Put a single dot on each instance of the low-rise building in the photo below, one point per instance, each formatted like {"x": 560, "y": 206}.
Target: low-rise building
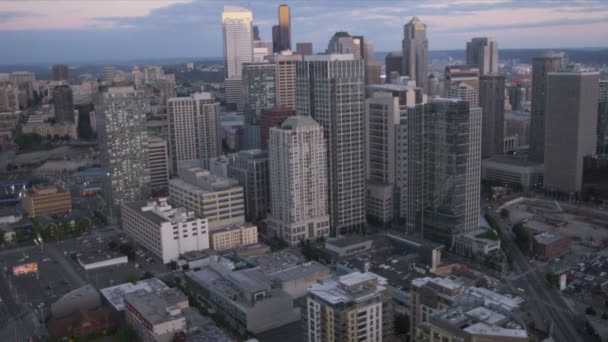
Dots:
{"x": 218, "y": 199}
{"x": 83, "y": 323}
{"x": 115, "y": 295}
{"x": 81, "y": 299}
{"x": 165, "y": 231}
{"x": 513, "y": 170}
{"x": 346, "y": 247}
{"x": 94, "y": 259}
{"x": 247, "y": 298}
{"x": 353, "y": 307}
{"x": 550, "y": 245}
{"x": 481, "y": 241}
{"x": 156, "y": 317}
{"x": 43, "y": 200}
{"x": 234, "y": 236}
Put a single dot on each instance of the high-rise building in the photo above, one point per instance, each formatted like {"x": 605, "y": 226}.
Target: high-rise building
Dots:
{"x": 259, "y": 88}
{"x": 298, "y": 181}
{"x": 250, "y": 169}
{"x": 238, "y": 49}
{"x": 261, "y": 50}
{"x": 63, "y": 101}
{"x": 492, "y": 103}
{"x": 276, "y": 39}
{"x": 343, "y": 43}
{"x": 304, "y": 48}
{"x": 165, "y": 231}
{"x": 602, "y": 118}
{"x": 61, "y": 72}
{"x": 330, "y": 89}
{"x": 121, "y": 115}
{"x": 285, "y": 72}
{"x": 158, "y": 156}
{"x": 284, "y": 28}
{"x": 352, "y": 307}
{"x": 482, "y": 52}
{"x": 109, "y": 73}
{"x": 393, "y": 63}
{"x": 385, "y": 110}
{"x": 24, "y": 80}
{"x": 272, "y": 117}
{"x": 416, "y": 53}
{"x": 444, "y": 161}
{"x": 570, "y": 120}
{"x": 193, "y": 128}
{"x": 541, "y": 66}
{"x": 256, "y": 33}
{"x": 455, "y": 74}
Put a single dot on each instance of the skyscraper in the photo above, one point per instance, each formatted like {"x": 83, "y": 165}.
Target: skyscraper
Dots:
{"x": 276, "y": 39}
{"x": 385, "y": 119}
{"x": 256, "y": 33}
{"x": 483, "y": 53}
{"x": 60, "y": 72}
{"x": 602, "y": 118}
{"x": 393, "y": 63}
{"x": 250, "y": 168}
{"x": 63, "y": 100}
{"x": 492, "y": 102}
{"x": 158, "y": 157}
{"x": 193, "y": 128}
{"x": 272, "y": 117}
{"x": 416, "y": 53}
{"x": 444, "y": 161}
{"x": 343, "y": 43}
{"x": 541, "y": 66}
{"x": 304, "y": 49}
{"x": 330, "y": 88}
{"x": 284, "y": 28}
{"x": 285, "y": 70}
{"x": 238, "y": 49}
{"x": 259, "y": 82}
{"x": 570, "y": 120}
{"x": 121, "y": 115}
{"x": 455, "y": 74}
{"x": 298, "y": 182}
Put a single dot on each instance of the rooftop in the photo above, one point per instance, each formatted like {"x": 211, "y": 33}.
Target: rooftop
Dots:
{"x": 547, "y": 238}
{"x": 116, "y": 294}
{"x": 492, "y": 330}
{"x": 275, "y": 262}
{"x": 159, "y": 211}
{"x": 298, "y": 121}
{"x": 301, "y": 271}
{"x": 513, "y": 160}
{"x": 93, "y": 256}
{"x": 346, "y": 241}
{"x": 159, "y": 307}
{"x": 354, "y": 287}
{"x": 203, "y": 181}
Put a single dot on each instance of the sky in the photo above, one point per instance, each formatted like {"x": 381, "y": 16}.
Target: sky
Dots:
{"x": 47, "y": 31}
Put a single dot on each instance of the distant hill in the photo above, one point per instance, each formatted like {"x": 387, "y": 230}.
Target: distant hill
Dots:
{"x": 593, "y": 56}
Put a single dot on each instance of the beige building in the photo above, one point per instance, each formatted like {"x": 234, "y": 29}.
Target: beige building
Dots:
{"x": 285, "y": 71}
{"x": 234, "y": 236}
{"x": 43, "y": 200}
{"x": 218, "y": 199}
{"x": 47, "y": 129}
{"x": 156, "y": 317}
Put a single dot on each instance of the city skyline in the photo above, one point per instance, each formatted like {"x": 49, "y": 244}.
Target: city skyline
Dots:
{"x": 91, "y": 31}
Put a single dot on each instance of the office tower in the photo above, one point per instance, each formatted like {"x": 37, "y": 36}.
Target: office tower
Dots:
{"x": 23, "y": 80}
{"x": 109, "y": 73}
{"x": 165, "y": 231}
{"x": 352, "y": 307}
{"x": 261, "y": 50}
{"x": 250, "y": 169}
{"x": 158, "y": 156}
{"x": 284, "y": 28}
{"x": 63, "y": 101}
{"x": 272, "y": 117}
{"x": 444, "y": 161}
{"x": 276, "y": 39}
{"x": 360, "y": 46}
{"x": 331, "y": 91}
{"x": 433, "y": 86}
{"x": 9, "y": 98}
{"x": 463, "y": 91}
{"x": 256, "y": 33}
{"x": 60, "y": 72}
{"x": 216, "y": 198}
{"x": 259, "y": 82}
{"x": 285, "y": 72}
{"x": 298, "y": 184}
{"x": 121, "y": 115}
{"x": 342, "y": 43}
{"x": 455, "y": 74}
{"x": 193, "y": 128}
{"x": 385, "y": 147}
{"x": 492, "y": 103}
{"x": 541, "y": 66}
{"x": 393, "y": 63}
{"x": 416, "y": 53}
{"x": 238, "y": 49}
{"x": 304, "y": 49}
{"x": 602, "y": 118}
{"x": 570, "y": 123}
{"x": 482, "y": 52}
{"x": 152, "y": 73}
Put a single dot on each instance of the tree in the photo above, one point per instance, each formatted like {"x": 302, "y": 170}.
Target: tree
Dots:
{"x": 605, "y": 316}
{"x": 590, "y": 311}
{"x": 402, "y": 324}
{"x": 552, "y": 278}
{"x": 2, "y": 239}
{"x": 19, "y": 235}
{"x": 504, "y": 213}
{"x": 132, "y": 278}
{"x": 62, "y": 230}
{"x": 521, "y": 234}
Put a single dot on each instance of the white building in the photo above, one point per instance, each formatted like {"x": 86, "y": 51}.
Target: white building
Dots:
{"x": 163, "y": 230}
{"x": 218, "y": 199}
{"x": 194, "y": 128}
{"x": 238, "y": 49}
{"x": 298, "y": 182}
